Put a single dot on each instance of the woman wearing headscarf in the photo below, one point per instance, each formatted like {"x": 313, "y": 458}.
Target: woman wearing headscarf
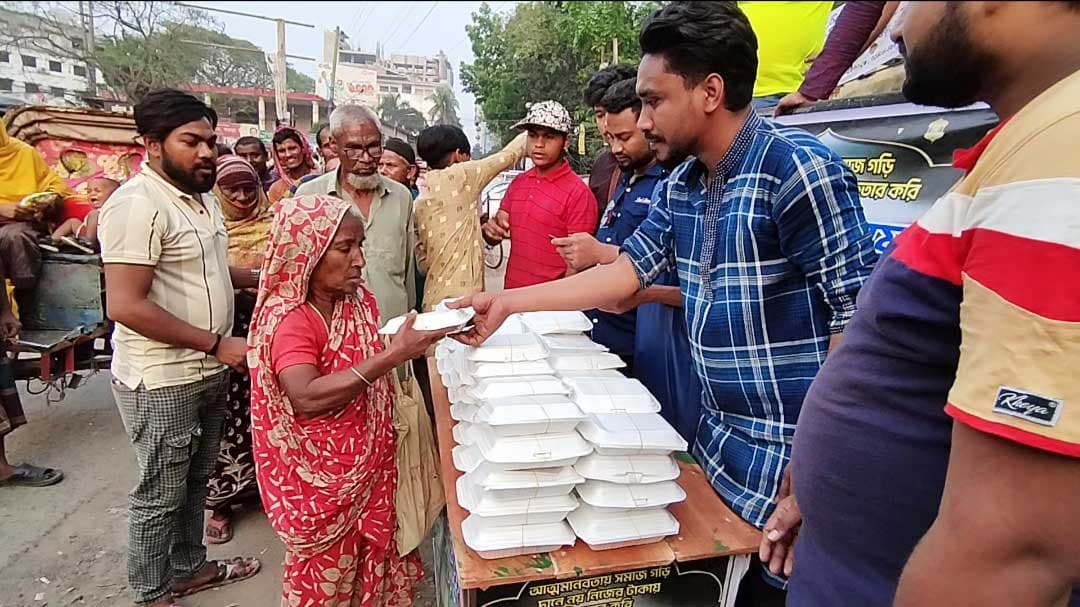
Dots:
{"x": 293, "y": 160}
{"x": 23, "y": 172}
{"x": 322, "y": 411}
{"x": 247, "y": 223}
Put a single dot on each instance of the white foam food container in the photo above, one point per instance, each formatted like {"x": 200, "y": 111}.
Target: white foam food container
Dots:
{"x": 610, "y": 530}
{"x": 508, "y": 348}
{"x": 596, "y": 374}
{"x": 548, "y": 323}
{"x": 521, "y": 420}
{"x": 612, "y": 395}
{"x": 496, "y": 509}
{"x": 568, "y": 344}
{"x": 469, "y": 457}
{"x": 484, "y": 370}
{"x": 631, "y": 434}
{"x": 507, "y": 387}
{"x": 507, "y": 485}
{"x": 586, "y": 361}
{"x": 543, "y": 449}
{"x": 461, "y": 433}
{"x": 628, "y": 469}
{"x": 614, "y": 497}
{"x": 511, "y": 326}
{"x": 431, "y": 321}
{"x": 504, "y": 542}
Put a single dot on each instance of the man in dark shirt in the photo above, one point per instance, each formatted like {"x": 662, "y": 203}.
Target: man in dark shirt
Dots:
{"x": 253, "y": 150}
{"x": 603, "y": 174}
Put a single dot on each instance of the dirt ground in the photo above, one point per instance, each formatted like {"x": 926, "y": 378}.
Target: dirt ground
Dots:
{"x": 66, "y": 545}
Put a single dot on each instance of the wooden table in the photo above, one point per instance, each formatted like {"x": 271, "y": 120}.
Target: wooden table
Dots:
{"x": 709, "y": 530}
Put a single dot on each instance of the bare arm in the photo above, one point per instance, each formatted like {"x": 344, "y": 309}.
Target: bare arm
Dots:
{"x": 1006, "y": 533}
{"x": 127, "y": 287}
{"x": 667, "y": 295}
{"x": 312, "y": 394}
{"x": 595, "y": 288}
{"x": 90, "y": 227}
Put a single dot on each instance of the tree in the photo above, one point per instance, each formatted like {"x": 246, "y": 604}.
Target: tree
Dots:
{"x": 547, "y": 50}
{"x": 444, "y": 108}
{"x": 394, "y": 110}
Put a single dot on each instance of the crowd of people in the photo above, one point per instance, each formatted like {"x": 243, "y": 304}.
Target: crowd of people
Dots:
{"x": 898, "y": 427}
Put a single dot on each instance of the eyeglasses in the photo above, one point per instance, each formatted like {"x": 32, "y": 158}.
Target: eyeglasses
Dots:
{"x": 373, "y": 150}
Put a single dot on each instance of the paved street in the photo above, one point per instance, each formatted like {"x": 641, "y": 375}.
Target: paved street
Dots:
{"x": 66, "y": 544}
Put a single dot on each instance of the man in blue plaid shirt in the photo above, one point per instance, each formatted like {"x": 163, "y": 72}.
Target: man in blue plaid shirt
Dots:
{"x": 766, "y": 231}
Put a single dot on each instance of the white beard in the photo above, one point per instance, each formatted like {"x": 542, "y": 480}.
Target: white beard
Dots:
{"x": 364, "y": 183}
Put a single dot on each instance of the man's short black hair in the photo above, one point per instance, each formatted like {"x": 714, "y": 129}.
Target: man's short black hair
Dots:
{"x": 700, "y": 38}
{"x": 249, "y": 140}
{"x": 223, "y": 150}
{"x": 319, "y": 132}
{"x": 162, "y": 111}
{"x": 437, "y": 142}
{"x": 601, "y": 80}
{"x": 620, "y": 96}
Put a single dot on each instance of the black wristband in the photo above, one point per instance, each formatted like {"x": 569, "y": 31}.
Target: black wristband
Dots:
{"x": 217, "y": 342}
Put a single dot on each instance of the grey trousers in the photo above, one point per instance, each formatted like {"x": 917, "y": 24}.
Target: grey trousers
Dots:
{"x": 176, "y": 432}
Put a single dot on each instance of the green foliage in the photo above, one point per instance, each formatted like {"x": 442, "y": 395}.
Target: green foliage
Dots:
{"x": 548, "y": 50}
{"x": 395, "y": 110}
{"x": 445, "y": 108}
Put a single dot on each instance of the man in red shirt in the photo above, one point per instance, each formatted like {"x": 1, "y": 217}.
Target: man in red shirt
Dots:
{"x": 545, "y": 202}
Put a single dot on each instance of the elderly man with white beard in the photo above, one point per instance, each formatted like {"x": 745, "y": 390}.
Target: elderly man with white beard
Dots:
{"x": 385, "y": 204}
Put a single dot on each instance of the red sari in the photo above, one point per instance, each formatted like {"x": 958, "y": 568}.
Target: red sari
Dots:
{"x": 327, "y": 483}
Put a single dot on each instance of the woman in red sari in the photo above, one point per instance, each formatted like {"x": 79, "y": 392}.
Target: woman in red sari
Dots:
{"x": 322, "y": 409}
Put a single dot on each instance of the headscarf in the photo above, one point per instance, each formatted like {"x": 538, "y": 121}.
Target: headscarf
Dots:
{"x": 248, "y": 227}
{"x": 23, "y": 171}
{"x": 333, "y": 471}
{"x": 307, "y": 157}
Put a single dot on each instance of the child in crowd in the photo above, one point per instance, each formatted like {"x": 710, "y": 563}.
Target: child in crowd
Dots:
{"x": 98, "y": 191}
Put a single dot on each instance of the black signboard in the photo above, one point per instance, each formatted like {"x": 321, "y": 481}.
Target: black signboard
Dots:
{"x": 676, "y": 585}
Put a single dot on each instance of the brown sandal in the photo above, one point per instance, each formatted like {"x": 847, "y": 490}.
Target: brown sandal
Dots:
{"x": 228, "y": 572}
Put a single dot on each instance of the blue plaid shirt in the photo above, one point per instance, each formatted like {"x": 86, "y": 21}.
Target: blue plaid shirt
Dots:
{"x": 770, "y": 257}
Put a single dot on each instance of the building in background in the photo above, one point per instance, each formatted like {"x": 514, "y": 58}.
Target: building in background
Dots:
{"x": 42, "y": 73}
{"x": 240, "y": 109}
{"x": 366, "y": 77}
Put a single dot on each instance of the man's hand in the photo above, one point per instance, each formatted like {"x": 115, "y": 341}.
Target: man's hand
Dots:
{"x": 627, "y": 304}
{"x": 491, "y": 313}
{"x": 580, "y": 251}
{"x": 777, "y": 550}
{"x": 232, "y": 351}
{"x": 791, "y": 102}
{"x": 497, "y": 229}
{"x": 9, "y": 326}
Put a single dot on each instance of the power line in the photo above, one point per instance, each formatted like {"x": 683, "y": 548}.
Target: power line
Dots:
{"x": 428, "y": 14}
{"x": 401, "y": 19}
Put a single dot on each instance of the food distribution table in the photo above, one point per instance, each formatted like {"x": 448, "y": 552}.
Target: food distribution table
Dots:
{"x": 702, "y": 565}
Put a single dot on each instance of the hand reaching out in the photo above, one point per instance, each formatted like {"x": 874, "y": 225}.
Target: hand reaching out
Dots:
{"x": 491, "y": 313}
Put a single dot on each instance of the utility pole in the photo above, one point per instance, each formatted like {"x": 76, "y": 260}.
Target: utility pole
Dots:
{"x": 333, "y": 67}
{"x": 86, "y": 12}
{"x": 281, "y": 102}
{"x": 614, "y": 51}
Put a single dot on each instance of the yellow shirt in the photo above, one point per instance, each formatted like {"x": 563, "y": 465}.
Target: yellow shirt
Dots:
{"x": 149, "y": 222}
{"x": 449, "y": 248}
{"x": 790, "y": 35}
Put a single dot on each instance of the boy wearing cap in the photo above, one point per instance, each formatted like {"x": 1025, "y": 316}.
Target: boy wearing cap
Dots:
{"x": 547, "y": 201}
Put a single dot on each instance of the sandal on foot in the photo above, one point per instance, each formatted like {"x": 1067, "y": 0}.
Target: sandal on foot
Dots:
{"x": 218, "y": 530}
{"x": 25, "y": 475}
{"x": 227, "y": 572}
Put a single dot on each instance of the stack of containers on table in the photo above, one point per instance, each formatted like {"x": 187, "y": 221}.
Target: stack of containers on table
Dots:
{"x": 543, "y": 415}
{"x": 516, "y": 440}
{"x": 631, "y": 474}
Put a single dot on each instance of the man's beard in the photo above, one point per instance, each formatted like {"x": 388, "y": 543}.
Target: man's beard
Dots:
{"x": 364, "y": 183}
{"x": 189, "y": 182}
{"x": 947, "y": 70}
{"x": 633, "y": 165}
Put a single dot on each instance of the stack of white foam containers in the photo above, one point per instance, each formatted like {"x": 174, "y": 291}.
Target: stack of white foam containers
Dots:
{"x": 631, "y": 474}
{"x": 543, "y": 416}
{"x": 517, "y": 443}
